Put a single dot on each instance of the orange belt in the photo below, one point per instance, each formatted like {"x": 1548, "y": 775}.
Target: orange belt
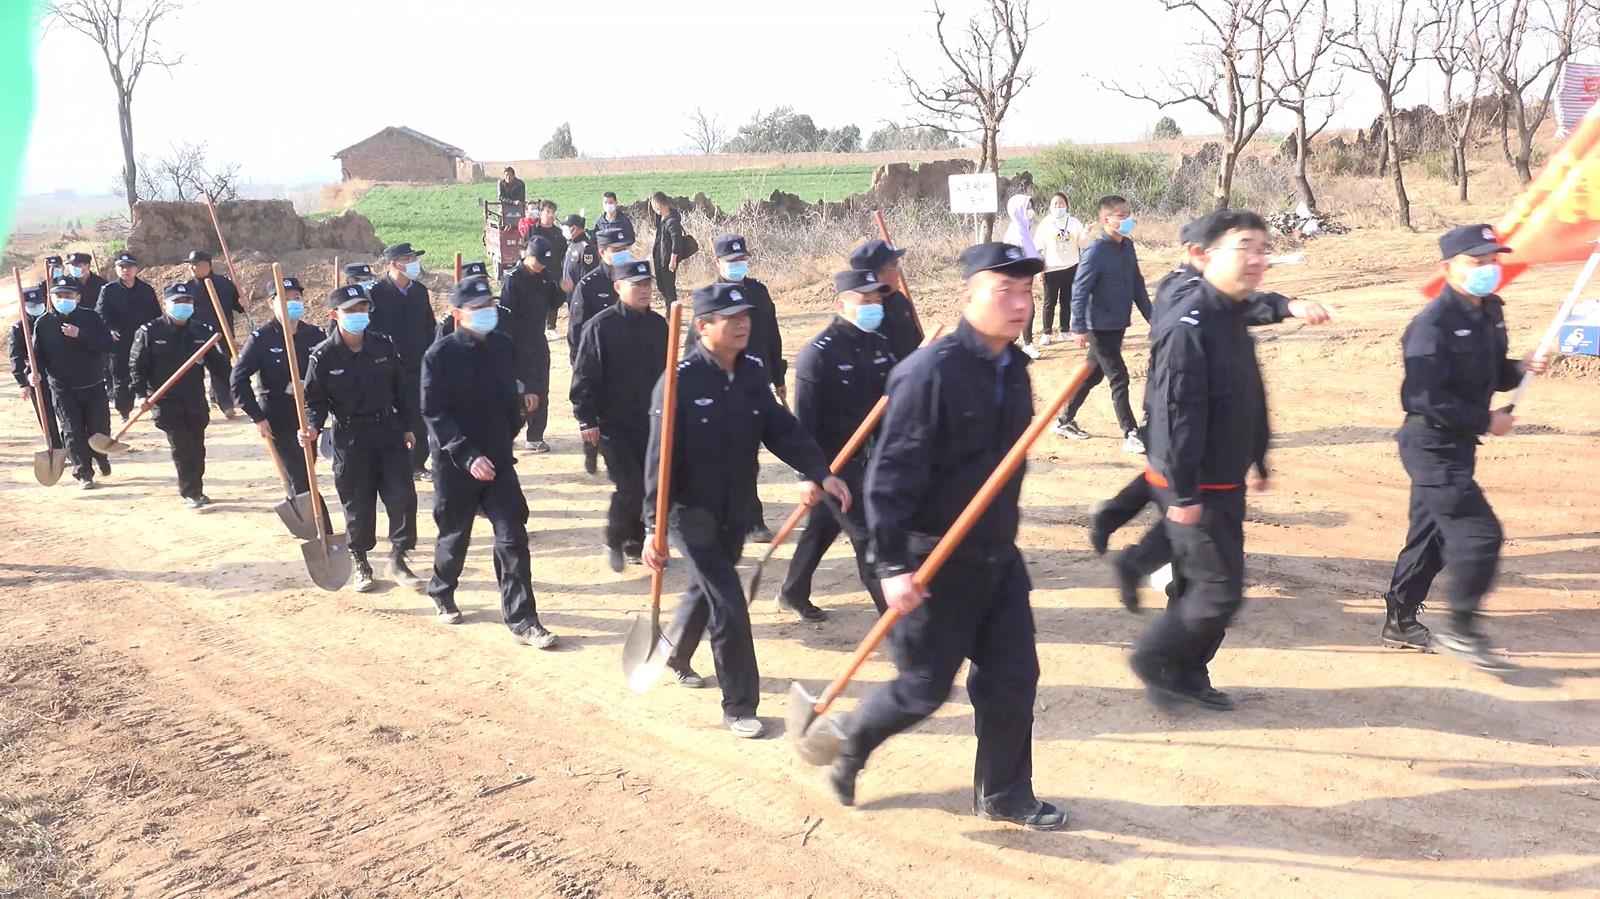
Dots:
{"x": 1154, "y": 479}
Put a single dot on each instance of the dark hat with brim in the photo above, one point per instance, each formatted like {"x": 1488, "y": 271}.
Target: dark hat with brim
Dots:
{"x": 288, "y": 285}
{"x": 400, "y": 251}
{"x": 124, "y": 258}
{"x": 731, "y": 246}
{"x": 474, "y": 270}
{"x": 874, "y": 254}
{"x": 614, "y": 237}
{"x": 469, "y": 291}
{"x": 179, "y": 291}
{"x": 197, "y": 256}
{"x": 1470, "y": 240}
{"x": 721, "y": 298}
{"x": 859, "y": 281}
{"x": 998, "y": 257}
{"x": 357, "y": 270}
{"x": 574, "y": 221}
{"x": 66, "y": 284}
{"x": 638, "y": 270}
{"x": 348, "y": 295}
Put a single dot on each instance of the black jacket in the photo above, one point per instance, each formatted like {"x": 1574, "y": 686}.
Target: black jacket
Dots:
{"x": 263, "y": 355}
{"x": 160, "y": 347}
{"x": 470, "y": 398}
{"x": 722, "y": 423}
{"x": 405, "y": 317}
{"x": 533, "y": 375}
{"x": 838, "y": 378}
{"x": 515, "y": 189}
{"x": 955, "y": 409}
{"x": 1455, "y": 356}
{"x": 529, "y": 296}
{"x": 900, "y": 324}
{"x": 72, "y": 362}
{"x": 124, "y": 309}
{"x": 355, "y": 388}
{"x": 1206, "y": 399}
{"x": 766, "y": 343}
{"x": 227, "y": 295}
{"x": 620, "y": 357}
{"x": 19, "y": 355}
{"x": 580, "y": 258}
{"x": 594, "y": 292}
{"x": 669, "y": 236}
{"x": 1107, "y": 287}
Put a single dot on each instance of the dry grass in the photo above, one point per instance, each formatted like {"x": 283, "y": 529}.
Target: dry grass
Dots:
{"x": 528, "y": 169}
{"x": 32, "y": 861}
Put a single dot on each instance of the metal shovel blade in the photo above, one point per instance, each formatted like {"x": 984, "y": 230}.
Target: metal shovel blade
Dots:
{"x": 817, "y": 740}
{"x": 296, "y": 516}
{"x": 328, "y": 561}
{"x": 103, "y": 444}
{"x": 48, "y": 466}
{"x": 644, "y": 653}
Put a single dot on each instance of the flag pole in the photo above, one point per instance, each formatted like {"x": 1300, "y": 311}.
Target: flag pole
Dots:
{"x": 1553, "y": 332}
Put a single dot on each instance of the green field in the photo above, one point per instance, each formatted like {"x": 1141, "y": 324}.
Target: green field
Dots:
{"x": 445, "y": 219}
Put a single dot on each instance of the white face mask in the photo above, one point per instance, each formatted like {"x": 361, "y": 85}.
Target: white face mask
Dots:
{"x": 611, "y": 209}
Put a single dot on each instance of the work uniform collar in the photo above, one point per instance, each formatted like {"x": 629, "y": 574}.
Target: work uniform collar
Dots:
{"x": 1464, "y": 303}
{"x": 1211, "y": 296}
{"x": 464, "y": 336}
{"x": 967, "y": 336}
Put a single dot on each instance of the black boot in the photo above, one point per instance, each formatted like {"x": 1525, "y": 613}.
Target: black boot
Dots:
{"x": 842, "y": 777}
{"x": 1401, "y": 629}
{"x": 1462, "y": 638}
{"x": 363, "y": 572}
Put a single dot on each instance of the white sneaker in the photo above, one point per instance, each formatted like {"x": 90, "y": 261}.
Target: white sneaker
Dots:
{"x": 1031, "y": 350}
{"x": 1044, "y": 339}
{"x": 1070, "y": 431}
{"x": 1132, "y": 443}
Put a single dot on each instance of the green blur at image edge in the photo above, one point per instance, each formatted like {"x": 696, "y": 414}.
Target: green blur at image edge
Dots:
{"x": 18, "y": 28}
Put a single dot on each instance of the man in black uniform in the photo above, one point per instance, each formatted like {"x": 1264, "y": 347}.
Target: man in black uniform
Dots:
{"x": 1455, "y": 358}
{"x": 124, "y": 305}
{"x": 358, "y": 377}
{"x": 402, "y": 311}
{"x": 71, "y": 344}
{"x": 611, "y": 215}
{"x": 359, "y": 273}
{"x": 548, "y": 228}
{"x": 955, "y": 409}
{"x": 620, "y": 358}
{"x": 579, "y": 257}
{"x": 160, "y": 347}
{"x": 667, "y": 246}
{"x": 726, "y": 413}
{"x": 33, "y": 305}
{"x": 528, "y": 294}
{"x": 511, "y": 187}
{"x": 593, "y": 293}
{"x": 899, "y": 321}
{"x": 205, "y": 314}
{"x": 473, "y": 406}
{"x": 89, "y": 283}
{"x": 839, "y": 377}
{"x": 766, "y": 344}
{"x": 272, "y": 408}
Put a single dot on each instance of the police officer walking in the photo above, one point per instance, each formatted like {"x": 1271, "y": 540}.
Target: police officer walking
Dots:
{"x": 89, "y": 283}
{"x": 271, "y": 404}
{"x": 669, "y": 246}
{"x": 594, "y": 293}
{"x": 71, "y": 344}
{"x": 766, "y": 343}
{"x": 579, "y": 258}
{"x": 528, "y": 294}
{"x": 402, "y": 311}
{"x": 358, "y": 377}
{"x": 839, "y": 377}
{"x": 359, "y": 273}
{"x": 205, "y": 314}
{"x": 726, "y": 413}
{"x": 33, "y": 306}
{"x": 473, "y": 407}
{"x": 124, "y": 305}
{"x": 899, "y": 319}
{"x": 160, "y": 348}
{"x": 1455, "y": 360}
{"x": 620, "y": 358}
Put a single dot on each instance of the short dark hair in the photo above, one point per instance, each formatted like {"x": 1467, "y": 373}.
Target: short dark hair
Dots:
{"x": 1210, "y": 229}
{"x": 660, "y": 197}
{"x": 548, "y": 204}
{"x": 1111, "y": 201}
{"x": 510, "y": 171}
{"x": 608, "y": 195}
{"x": 1061, "y": 195}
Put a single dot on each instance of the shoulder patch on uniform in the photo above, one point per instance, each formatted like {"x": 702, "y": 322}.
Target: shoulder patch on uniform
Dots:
{"x": 756, "y": 360}
{"x": 703, "y": 401}
{"x": 1463, "y": 332}
{"x": 256, "y": 333}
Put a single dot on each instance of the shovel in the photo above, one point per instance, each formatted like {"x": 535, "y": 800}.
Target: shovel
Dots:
{"x": 50, "y": 462}
{"x": 905, "y": 286}
{"x": 846, "y": 453}
{"x": 645, "y": 651}
{"x": 327, "y": 554}
{"x": 295, "y": 510}
{"x": 222, "y": 242}
{"x": 107, "y": 445}
{"x": 816, "y": 738}
{"x": 222, "y": 323}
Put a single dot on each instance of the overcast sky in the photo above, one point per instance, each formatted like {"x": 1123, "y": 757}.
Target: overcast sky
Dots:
{"x": 280, "y": 87}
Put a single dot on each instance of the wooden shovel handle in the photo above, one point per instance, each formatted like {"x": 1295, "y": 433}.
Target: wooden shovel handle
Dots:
{"x": 222, "y": 242}
{"x": 458, "y": 268}
{"x": 958, "y": 531}
{"x": 222, "y": 321}
{"x": 669, "y": 425}
{"x": 161, "y": 391}
{"x": 33, "y": 362}
{"x": 290, "y": 351}
{"x": 338, "y": 274}
{"x": 905, "y": 286}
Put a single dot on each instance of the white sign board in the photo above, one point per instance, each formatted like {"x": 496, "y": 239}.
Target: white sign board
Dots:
{"x": 974, "y": 194}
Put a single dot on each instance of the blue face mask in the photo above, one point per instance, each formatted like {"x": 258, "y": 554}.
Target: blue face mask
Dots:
{"x": 737, "y": 270}
{"x": 483, "y": 320}
{"x": 369, "y": 284}
{"x": 1059, "y": 212}
{"x": 296, "y": 309}
{"x": 622, "y": 257}
{"x": 413, "y": 268}
{"x": 354, "y": 322}
{"x": 35, "y": 309}
{"x": 180, "y": 312}
{"x": 1125, "y": 227}
{"x": 868, "y": 318}
{"x": 1482, "y": 280}
{"x": 75, "y": 271}
{"x": 65, "y": 306}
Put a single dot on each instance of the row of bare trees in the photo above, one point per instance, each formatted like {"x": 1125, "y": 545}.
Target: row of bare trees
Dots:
{"x": 1255, "y": 57}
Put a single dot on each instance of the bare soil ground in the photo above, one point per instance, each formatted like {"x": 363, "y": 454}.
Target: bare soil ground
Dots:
{"x": 182, "y": 714}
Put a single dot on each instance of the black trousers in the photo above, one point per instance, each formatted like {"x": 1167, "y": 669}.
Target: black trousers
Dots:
{"x": 411, "y": 383}
{"x": 978, "y": 611}
{"x": 185, "y": 428}
{"x": 122, "y": 376}
{"x": 458, "y": 497}
{"x": 82, "y": 411}
{"x": 221, "y": 391}
{"x": 1058, "y": 295}
{"x": 550, "y": 316}
{"x": 667, "y": 284}
{"x": 52, "y": 421}
{"x": 715, "y": 604}
{"x": 539, "y": 418}
{"x": 625, "y": 466}
{"x": 822, "y": 528}
{"x": 1452, "y": 525}
{"x": 369, "y": 461}
{"x": 1154, "y": 549}
{"x": 1105, "y": 353}
{"x": 1209, "y": 557}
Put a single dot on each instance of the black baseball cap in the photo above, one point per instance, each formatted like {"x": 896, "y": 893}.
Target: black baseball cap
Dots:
{"x": 859, "y": 280}
{"x": 874, "y": 254}
{"x": 33, "y": 293}
{"x": 638, "y": 270}
{"x": 79, "y": 259}
{"x": 52, "y": 260}
{"x": 614, "y": 237}
{"x": 357, "y": 270}
{"x": 348, "y": 295}
{"x": 540, "y": 249}
{"x": 1470, "y": 240}
{"x": 731, "y": 246}
{"x": 289, "y": 283}
{"x": 401, "y": 250}
{"x": 125, "y": 258}
{"x": 65, "y": 284}
{"x": 720, "y": 298}
{"x": 1193, "y": 234}
{"x": 197, "y": 256}
{"x": 470, "y": 290}
{"x": 179, "y": 291}
{"x": 474, "y": 270}
{"x": 997, "y": 256}
{"x": 574, "y": 221}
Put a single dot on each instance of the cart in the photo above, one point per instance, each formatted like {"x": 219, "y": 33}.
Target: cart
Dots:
{"x": 502, "y": 237}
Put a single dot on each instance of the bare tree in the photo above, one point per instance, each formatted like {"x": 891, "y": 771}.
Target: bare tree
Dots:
{"x": 1385, "y": 50}
{"x": 124, "y": 30}
{"x": 1555, "y": 28}
{"x": 1231, "y": 75}
{"x": 1304, "y": 89}
{"x": 1463, "y": 58}
{"x": 707, "y": 132}
{"x": 184, "y": 176}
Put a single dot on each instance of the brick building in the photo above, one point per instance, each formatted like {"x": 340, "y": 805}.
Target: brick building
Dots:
{"x": 398, "y": 153}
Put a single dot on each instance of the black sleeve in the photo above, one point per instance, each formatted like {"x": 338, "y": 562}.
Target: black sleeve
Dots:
{"x": 1509, "y": 378}
{"x": 781, "y": 434}
{"x": 1266, "y": 308}
{"x": 674, "y": 230}
{"x": 399, "y": 402}
{"x": 440, "y": 417}
{"x": 588, "y": 376}
{"x": 239, "y": 380}
{"x": 19, "y": 355}
{"x": 1426, "y": 383}
{"x": 809, "y": 370}
{"x": 319, "y": 405}
{"x": 533, "y": 350}
{"x": 1188, "y": 399}
{"x": 899, "y": 473}
{"x": 229, "y": 294}
{"x": 772, "y": 353}
{"x": 139, "y": 362}
{"x": 1141, "y": 296}
{"x": 96, "y": 335}
{"x": 652, "y": 455}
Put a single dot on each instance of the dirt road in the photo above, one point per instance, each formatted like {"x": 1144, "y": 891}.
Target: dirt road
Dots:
{"x": 182, "y": 714}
